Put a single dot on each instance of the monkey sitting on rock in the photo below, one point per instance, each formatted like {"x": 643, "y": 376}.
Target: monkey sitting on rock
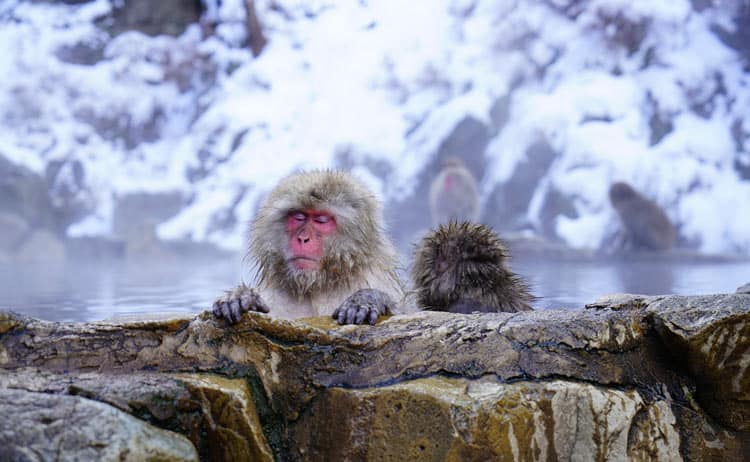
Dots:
{"x": 645, "y": 225}
{"x": 461, "y": 268}
{"x": 320, "y": 249}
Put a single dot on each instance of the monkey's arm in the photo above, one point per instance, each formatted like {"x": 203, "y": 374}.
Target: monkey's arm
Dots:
{"x": 364, "y": 305}
{"x": 233, "y": 303}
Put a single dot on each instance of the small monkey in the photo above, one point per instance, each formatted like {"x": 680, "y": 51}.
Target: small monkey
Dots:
{"x": 645, "y": 225}
{"x": 454, "y": 194}
{"x": 320, "y": 249}
{"x": 461, "y": 268}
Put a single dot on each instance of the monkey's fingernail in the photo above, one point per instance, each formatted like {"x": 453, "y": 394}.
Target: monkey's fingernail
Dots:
{"x": 373, "y": 318}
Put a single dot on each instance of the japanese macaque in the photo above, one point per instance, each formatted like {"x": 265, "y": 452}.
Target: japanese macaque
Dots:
{"x": 461, "y": 268}
{"x": 454, "y": 194}
{"x": 320, "y": 249}
{"x": 645, "y": 225}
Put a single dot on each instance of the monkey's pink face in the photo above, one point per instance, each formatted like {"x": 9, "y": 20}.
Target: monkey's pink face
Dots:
{"x": 307, "y": 231}
{"x": 450, "y": 182}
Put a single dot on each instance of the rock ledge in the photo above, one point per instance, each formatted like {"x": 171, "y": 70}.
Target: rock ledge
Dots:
{"x": 630, "y": 377}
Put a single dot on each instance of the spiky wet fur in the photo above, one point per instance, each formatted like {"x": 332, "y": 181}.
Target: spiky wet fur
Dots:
{"x": 360, "y": 243}
{"x": 476, "y": 271}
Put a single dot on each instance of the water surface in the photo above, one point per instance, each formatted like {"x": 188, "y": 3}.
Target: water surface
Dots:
{"x": 87, "y": 292}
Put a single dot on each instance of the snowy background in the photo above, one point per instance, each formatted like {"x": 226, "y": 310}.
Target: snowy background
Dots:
{"x": 548, "y": 101}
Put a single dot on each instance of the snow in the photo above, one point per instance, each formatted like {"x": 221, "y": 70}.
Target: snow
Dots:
{"x": 386, "y": 82}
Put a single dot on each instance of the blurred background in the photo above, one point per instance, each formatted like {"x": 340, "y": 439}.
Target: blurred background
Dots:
{"x": 137, "y": 138}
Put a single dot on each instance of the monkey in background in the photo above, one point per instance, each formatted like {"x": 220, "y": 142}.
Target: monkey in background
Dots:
{"x": 320, "y": 249}
{"x": 462, "y": 268}
{"x": 645, "y": 225}
{"x": 454, "y": 194}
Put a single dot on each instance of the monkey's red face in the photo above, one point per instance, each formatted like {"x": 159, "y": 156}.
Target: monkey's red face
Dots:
{"x": 308, "y": 230}
{"x": 450, "y": 182}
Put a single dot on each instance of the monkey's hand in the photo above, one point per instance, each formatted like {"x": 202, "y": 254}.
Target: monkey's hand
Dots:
{"x": 233, "y": 303}
{"x": 364, "y": 305}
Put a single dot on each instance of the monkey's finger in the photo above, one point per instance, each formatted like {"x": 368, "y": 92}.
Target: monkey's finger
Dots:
{"x": 351, "y": 313}
{"x": 226, "y": 314}
{"x": 360, "y": 316}
{"x": 223, "y": 311}
{"x": 236, "y": 310}
{"x": 373, "y": 317}
{"x": 342, "y": 316}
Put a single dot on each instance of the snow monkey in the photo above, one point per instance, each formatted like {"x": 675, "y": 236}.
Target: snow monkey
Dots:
{"x": 320, "y": 249}
{"x": 646, "y": 226}
{"x": 454, "y": 194}
{"x": 461, "y": 267}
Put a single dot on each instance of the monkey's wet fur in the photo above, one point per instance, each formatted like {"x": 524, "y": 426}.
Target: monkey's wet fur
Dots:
{"x": 462, "y": 268}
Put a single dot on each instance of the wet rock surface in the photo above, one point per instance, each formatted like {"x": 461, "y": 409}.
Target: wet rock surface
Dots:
{"x": 630, "y": 377}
